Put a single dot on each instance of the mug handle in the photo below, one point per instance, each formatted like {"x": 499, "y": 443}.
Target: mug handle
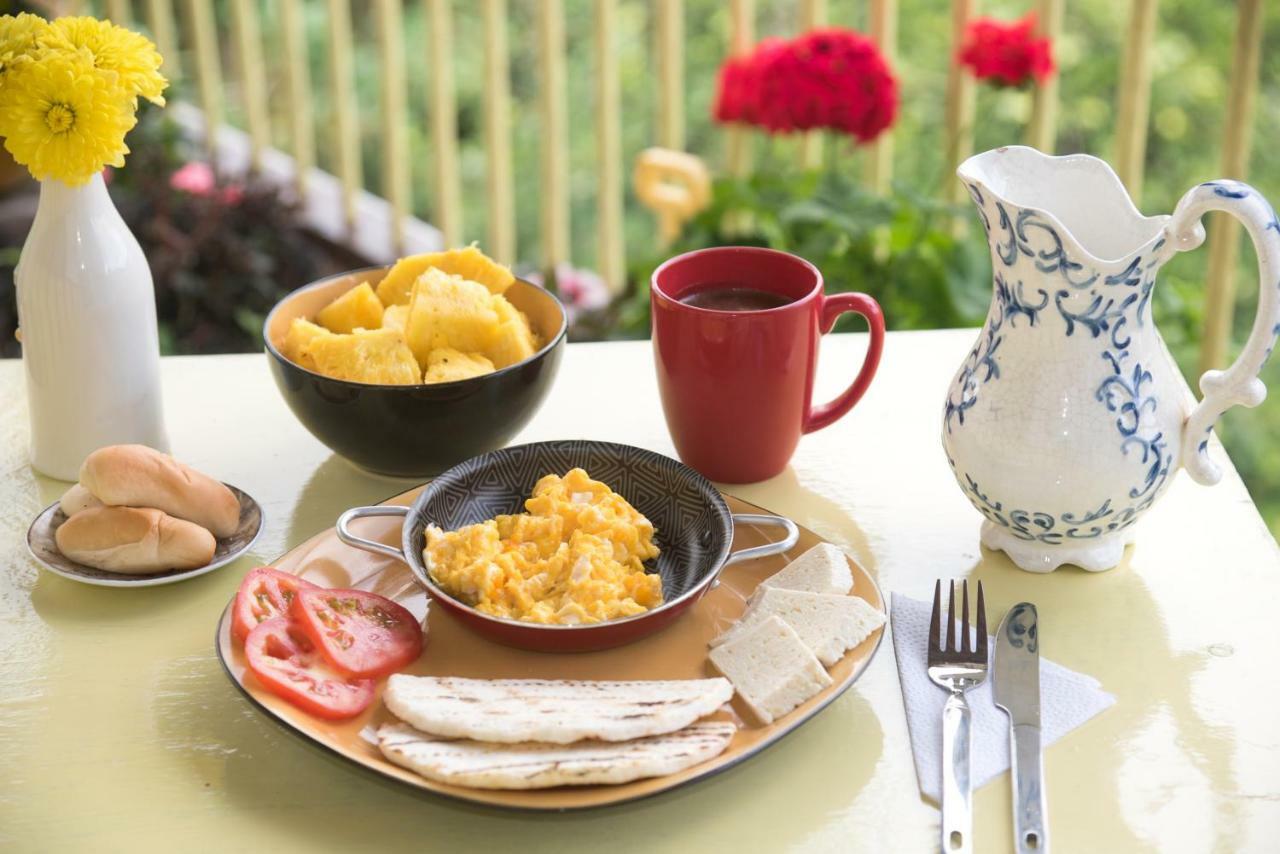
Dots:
{"x": 832, "y": 307}
{"x": 1238, "y": 384}
{"x": 351, "y": 539}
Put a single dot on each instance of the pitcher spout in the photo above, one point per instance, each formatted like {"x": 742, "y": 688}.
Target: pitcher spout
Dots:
{"x": 1078, "y": 196}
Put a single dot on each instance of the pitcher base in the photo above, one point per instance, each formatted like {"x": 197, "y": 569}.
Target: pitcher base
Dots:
{"x": 1094, "y": 555}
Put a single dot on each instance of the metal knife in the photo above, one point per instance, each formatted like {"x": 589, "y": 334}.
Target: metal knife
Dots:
{"x": 1016, "y": 688}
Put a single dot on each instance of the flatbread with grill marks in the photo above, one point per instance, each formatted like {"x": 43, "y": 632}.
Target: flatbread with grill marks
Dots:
{"x": 509, "y": 711}
{"x": 538, "y": 766}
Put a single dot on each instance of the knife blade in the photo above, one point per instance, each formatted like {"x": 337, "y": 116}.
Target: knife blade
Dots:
{"x": 1016, "y": 688}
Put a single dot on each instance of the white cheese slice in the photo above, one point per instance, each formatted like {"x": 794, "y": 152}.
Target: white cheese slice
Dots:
{"x": 770, "y": 668}
{"x": 822, "y": 569}
{"x": 829, "y": 625}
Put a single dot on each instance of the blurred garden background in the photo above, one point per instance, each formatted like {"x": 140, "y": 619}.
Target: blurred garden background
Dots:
{"x": 225, "y": 247}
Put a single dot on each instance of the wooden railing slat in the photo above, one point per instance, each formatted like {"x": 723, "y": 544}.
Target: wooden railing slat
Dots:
{"x": 499, "y": 178}
{"x": 346, "y": 140}
{"x": 959, "y": 106}
{"x": 395, "y": 152}
{"x": 555, "y": 135}
{"x": 669, "y": 44}
{"x": 160, "y": 19}
{"x": 813, "y": 14}
{"x": 740, "y": 139}
{"x": 204, "y": 35}
{"x": 244, "y": 22}
{"x": 611, "y": 264}
{"x": 444, "y": 123}
{"x": 1224, "y": 230}
{"x": 883, "y": 29}
{"x": 298, "y": 91}
{"x": 1134, "y": 96}
{"x": 1042, "y": 130}
{"x": 118, "y": 12}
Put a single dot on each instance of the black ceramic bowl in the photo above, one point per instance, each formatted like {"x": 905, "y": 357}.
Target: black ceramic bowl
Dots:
{"x": 414, "y": 430}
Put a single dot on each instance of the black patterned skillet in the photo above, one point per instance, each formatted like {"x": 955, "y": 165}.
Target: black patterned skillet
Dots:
{"x": 693, "y": 524}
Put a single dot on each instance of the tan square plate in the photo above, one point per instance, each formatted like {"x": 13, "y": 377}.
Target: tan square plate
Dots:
{"x": 679, "y": 652}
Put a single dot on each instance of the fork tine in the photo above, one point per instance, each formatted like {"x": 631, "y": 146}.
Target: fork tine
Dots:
{"x": 965, "y": 643}
{"x": 982, "y": 625}
{"x": 951, "y": 617}
{"x": 935, "y": 622}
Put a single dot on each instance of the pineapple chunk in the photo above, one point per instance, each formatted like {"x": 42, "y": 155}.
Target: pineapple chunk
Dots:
{"x": 515, "y": 341}
{"x": 395, "y": 316}
{"x": 297, "y": 343}
{"x": 469, "y": 263}
{"x": 358, "y": 308}
{"x": 367, "y": 356}
{"x": 446, "y": 365}
{"x": 449, "y": 311}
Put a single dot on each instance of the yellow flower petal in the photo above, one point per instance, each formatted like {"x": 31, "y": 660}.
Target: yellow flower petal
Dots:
{"x": 63, "y": 118}
{"x": 19, "y": 37}
{"x": 114, "y": 49}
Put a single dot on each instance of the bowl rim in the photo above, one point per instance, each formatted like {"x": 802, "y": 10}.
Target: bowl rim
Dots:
{"x": 417, "y": 566}
{"x": 267, "y": 344}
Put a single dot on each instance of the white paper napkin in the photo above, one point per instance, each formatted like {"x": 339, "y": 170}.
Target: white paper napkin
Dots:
{"x": 1067, "y": 699}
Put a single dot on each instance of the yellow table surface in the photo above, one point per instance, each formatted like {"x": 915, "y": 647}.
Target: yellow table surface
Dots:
{"x": 119, "y": 731}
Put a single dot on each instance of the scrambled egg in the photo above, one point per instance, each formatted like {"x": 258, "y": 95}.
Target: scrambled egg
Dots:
{"x": 576, "y": 556}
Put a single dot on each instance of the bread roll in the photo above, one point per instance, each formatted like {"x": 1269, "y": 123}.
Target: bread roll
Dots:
{"x": 134, "y": 540}
{"x": 138, "y": 476}
{"x": 77, "y": 498}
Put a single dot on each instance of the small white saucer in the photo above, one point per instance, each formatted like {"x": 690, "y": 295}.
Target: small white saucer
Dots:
{"x": 43, "y": 547}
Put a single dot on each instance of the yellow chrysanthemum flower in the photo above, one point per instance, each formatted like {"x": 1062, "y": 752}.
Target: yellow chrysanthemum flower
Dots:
{"x": 19, "y": 38}
{"x": 63, "y": 119}
{"x": 112, "y": 48}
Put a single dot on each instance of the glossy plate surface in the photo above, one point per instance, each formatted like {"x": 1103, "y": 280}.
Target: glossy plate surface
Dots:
{"x": 41, "y": 544}
{"x": 679, "y": 652}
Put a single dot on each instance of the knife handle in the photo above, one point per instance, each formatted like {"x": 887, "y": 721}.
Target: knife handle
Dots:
{"x": 1030, "y": 829}
{"x": 957, "y": 816}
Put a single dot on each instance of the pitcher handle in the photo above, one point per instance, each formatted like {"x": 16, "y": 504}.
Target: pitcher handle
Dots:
{"x": 1238, "y": 384}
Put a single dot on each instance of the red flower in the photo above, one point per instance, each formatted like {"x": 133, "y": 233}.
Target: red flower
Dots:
{"x": 734, "y": 98}
{"x": 833, "y": 78}
{"x": 1006, "y": 52}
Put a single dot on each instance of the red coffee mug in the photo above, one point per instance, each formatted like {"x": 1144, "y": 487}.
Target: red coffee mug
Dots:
{"x": 737, "y": 386}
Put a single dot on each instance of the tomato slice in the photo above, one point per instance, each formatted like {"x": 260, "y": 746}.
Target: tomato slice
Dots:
{"x": 266, "y": 592}
{"x": 361, "y": 634}
{"x": 284, "y": 661}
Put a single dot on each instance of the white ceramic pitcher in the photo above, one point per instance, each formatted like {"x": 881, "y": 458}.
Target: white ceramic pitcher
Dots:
{"x": 1069, "y": 418}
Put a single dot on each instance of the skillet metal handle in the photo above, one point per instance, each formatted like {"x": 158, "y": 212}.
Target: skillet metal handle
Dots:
{"x": 767, "y": 550}
{"x": 345, "y": 534}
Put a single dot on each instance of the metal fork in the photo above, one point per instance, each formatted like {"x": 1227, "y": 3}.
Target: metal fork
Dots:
{"x": 956, "y": 665}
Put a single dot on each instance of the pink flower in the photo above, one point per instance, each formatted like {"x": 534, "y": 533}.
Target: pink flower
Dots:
{"x": 198, "y": 179}
{"x": 195, "y": 178}
{"x": 579, "y": 289}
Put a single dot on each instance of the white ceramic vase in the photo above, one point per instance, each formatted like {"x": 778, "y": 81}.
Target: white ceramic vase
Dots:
{"x": 87, "y": 311}
{"x": 1068, "y": 419}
